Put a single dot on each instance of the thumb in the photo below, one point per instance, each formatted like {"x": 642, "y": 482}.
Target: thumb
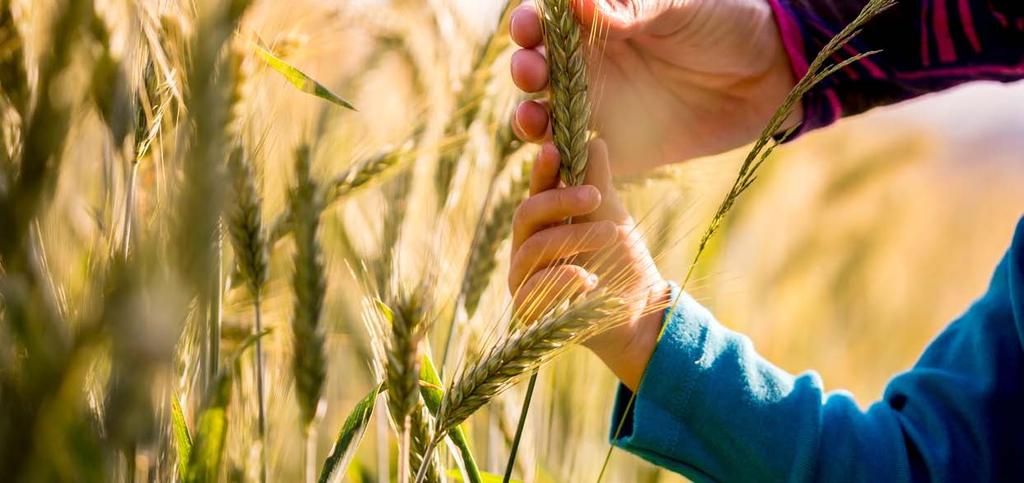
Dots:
{"x": 599, "y": 174}
{"x": 611, "y": 18}
{"x": 620, "y": 19}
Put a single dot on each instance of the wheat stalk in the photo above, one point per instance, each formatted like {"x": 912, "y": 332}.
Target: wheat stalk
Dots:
{"x": 468, "y": 102}
{"x": 351, "y": 180}
{"x": 308, "y": 283}
{"x": 496, "y": 228}
{"x": 570, "y": 112}
{"x": 421, "y": 436}
{"x": 397, "y": 195}
{"x": 245, "y": 225}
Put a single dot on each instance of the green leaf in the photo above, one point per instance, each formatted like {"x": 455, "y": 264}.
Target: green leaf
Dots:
{"x": 208, "y": 449}
{"x": 182, "y": 439}
{"x": 485, "y": 477}
{"x": 349, "y": 436}
{"x": 300, "y": 80}
{"x": 207, "y": 452}
{"x": 430, "y": 389}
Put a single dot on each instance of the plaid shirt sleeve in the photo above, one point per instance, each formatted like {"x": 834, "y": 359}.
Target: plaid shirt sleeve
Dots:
{"x": 926, "y": 46}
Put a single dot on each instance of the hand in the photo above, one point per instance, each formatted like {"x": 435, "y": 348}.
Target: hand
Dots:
{"x": 673, "y": 80}
{"x": 552, "y": 261}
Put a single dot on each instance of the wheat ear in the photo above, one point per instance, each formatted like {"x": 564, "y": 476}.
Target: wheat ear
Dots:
{"x": 308, "y": 283}
{"x": 523, "y": 351}
{"x": 408, "y": 316}
{"x": 520, "y": 353}
{"x": 567, "y": 67}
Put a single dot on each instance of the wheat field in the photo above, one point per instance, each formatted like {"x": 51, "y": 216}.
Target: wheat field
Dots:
{"x": 266, "y": 241}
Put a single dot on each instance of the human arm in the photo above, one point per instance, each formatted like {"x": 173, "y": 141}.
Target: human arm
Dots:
{"x": 711, "y": 408}
{"x": 678, "y": 80}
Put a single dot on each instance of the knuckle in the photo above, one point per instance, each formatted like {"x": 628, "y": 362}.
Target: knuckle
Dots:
{"x": 521, "y": 215}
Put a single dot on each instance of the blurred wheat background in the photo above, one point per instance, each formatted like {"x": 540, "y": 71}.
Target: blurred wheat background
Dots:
{"x": 118, "y": 303}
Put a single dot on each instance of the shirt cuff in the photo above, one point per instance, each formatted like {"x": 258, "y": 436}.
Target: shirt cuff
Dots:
{"x": 821, "y": 105}
{"x": 640, "y": 424}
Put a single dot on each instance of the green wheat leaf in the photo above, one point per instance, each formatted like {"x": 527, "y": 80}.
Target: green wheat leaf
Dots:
{"x": 349, "y": 436}
{"x": 430, "y": 389}
{"x": 300, "y": 80}
{"x": 182, "y": 438}
{"x": 207, "y": 450}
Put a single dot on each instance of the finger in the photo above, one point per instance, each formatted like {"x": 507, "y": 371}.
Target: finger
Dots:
{"x": 550, "y": 207}
{"x": 529, "y": 70}
{"x": 599, "y": 175}
{"x": 531, "y": 119}
{"x": 524, "y": 26}
{"x": 545, "y": 170}
{"x": 560, "y": 242}
{"x": 550, "y": 286}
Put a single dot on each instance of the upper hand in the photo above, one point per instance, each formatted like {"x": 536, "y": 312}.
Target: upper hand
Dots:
{"x": 673, "y": 80}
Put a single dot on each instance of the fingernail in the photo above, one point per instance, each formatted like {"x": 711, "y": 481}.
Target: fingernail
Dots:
{"x": 592, "y": 280}
{"x": 519, "y": 125}
{"x": 585, "y": 194}
{"x": 512, "y": 21}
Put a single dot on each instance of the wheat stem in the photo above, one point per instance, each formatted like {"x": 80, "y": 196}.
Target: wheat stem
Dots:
{"x": 468, "y": 102}
{"x": 514, "y": 448}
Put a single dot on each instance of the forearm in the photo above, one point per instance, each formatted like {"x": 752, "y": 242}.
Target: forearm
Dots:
{"x": 926, "y": 46}
{"x": 709, "y": 407}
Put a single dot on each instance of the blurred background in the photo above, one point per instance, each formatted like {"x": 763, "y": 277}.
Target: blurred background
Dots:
{"x": 855, "y": 247}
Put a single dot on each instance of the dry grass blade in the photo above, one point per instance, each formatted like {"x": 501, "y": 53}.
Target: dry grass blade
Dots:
{"x": 570, "y": 111}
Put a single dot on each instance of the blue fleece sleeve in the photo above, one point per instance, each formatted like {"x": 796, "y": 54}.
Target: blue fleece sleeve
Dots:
{"x": 709, "y": 407}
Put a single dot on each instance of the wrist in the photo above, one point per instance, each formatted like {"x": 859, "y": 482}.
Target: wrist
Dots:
{"x": 628, "y": 359}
